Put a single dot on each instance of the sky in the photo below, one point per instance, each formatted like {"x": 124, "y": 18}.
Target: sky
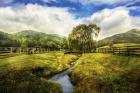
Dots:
{"x": 60, "y": 16}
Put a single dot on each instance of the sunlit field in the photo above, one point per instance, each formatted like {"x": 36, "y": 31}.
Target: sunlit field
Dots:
{"x": 91, "y": 73}
{"x": 123, "y": 45}
{"x": 106, "y": 73}
{"x": 30, "y": 73}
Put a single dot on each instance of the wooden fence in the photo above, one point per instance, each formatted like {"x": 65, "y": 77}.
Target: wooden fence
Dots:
{"x": 7, "y": 50}
{"x": 129, "y": 50}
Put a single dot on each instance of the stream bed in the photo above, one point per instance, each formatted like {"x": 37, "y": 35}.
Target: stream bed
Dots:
{"x": 64, "y": 80}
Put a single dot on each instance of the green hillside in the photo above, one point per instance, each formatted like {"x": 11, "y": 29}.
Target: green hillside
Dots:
{"x": 36, "y": 39}
{"x": 132, "y": 36}
{"x": 30, "y": 38}
{"x": 7, "y": 40}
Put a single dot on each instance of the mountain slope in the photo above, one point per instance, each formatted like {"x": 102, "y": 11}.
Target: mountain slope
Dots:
{"x": 4, "y": 35}
{"x": 132, "y": 36}
{"x": 30, "y": 38}
{"x": 37, "y": 39}
{"x": 7, "y": 40}
{"x": 31, "y": 33}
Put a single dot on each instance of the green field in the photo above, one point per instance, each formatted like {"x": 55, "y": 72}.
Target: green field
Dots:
{"x": 29, "y": 73}
{"x": 123, "y": 45}
{"x": 91, "y": 73}
{"x": 106, "y": 73}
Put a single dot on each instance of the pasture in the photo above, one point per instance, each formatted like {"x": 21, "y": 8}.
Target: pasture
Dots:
{"x": 30, "y": 73}
{"x": 106, "y": 73}
{"x": 91, "y": 73}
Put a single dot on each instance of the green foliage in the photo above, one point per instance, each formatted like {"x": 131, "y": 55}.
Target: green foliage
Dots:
{"x": 106, "y": 73}
{"x": 30, "y": 38}
{"x": 38, "y": 39}
{"x": 7, "y": 40}
{"x": 81, "y": 38}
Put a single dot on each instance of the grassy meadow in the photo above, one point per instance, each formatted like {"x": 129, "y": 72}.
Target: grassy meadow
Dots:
{"x": 30, "y": 73}
{"x": 91, "y": 73}
{"x": 122, "y": 45}
{"x": 106, "y": 73}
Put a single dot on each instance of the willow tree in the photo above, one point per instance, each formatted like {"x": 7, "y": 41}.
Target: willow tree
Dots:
{"x": 82, "y": 38}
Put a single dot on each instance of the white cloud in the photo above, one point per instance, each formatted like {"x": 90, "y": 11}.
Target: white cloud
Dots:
{"x": 114, "y": 21}
{"x": 136, "y": 21}
{"x": 40, "y": 18}
{"x": 56, "y": 20}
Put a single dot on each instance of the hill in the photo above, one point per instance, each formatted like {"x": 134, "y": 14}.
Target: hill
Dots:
{"x": 30, "y": 38}
{"x": 31, "y": 33}
{"x": 132, "y": 36}
{"x": 4, "y": 35}
{"x": 36, "y": 39}
{"x": 7, "y": 40}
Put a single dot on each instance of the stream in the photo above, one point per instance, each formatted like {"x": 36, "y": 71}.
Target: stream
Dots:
{"x": 64, "y": 80}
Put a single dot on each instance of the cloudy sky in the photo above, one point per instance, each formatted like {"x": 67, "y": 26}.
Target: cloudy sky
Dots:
{"x": 60, "y": 16}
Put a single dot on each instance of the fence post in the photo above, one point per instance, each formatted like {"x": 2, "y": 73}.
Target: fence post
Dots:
{"x": 102, "y": 51}
{"x": 20, "y": 50}
{"x": 127, "y": 50}
{"x": 110, "y": 51}
{"x": 113, "y": 50}
{"x": 11, "y": 50}
{"x": 119, "y": 50}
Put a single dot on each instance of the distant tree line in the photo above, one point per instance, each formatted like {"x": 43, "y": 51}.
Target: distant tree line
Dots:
{"x": 26, "y": 39}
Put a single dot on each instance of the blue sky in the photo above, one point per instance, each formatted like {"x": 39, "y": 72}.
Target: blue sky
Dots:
{"x": 80, "y": 9}
{"x": 60, "y": 16}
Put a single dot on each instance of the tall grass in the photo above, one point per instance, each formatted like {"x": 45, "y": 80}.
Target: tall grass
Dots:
{"x": 30, "y": 73}
{"x": 106, "y": 73}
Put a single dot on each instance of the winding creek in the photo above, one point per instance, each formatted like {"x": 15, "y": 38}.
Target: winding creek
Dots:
{"x": 64, "y": 80}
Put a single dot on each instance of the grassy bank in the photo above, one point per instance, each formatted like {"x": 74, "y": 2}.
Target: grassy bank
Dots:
{"x": 29, "y": 73}
{"x": 106, "y": 73}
